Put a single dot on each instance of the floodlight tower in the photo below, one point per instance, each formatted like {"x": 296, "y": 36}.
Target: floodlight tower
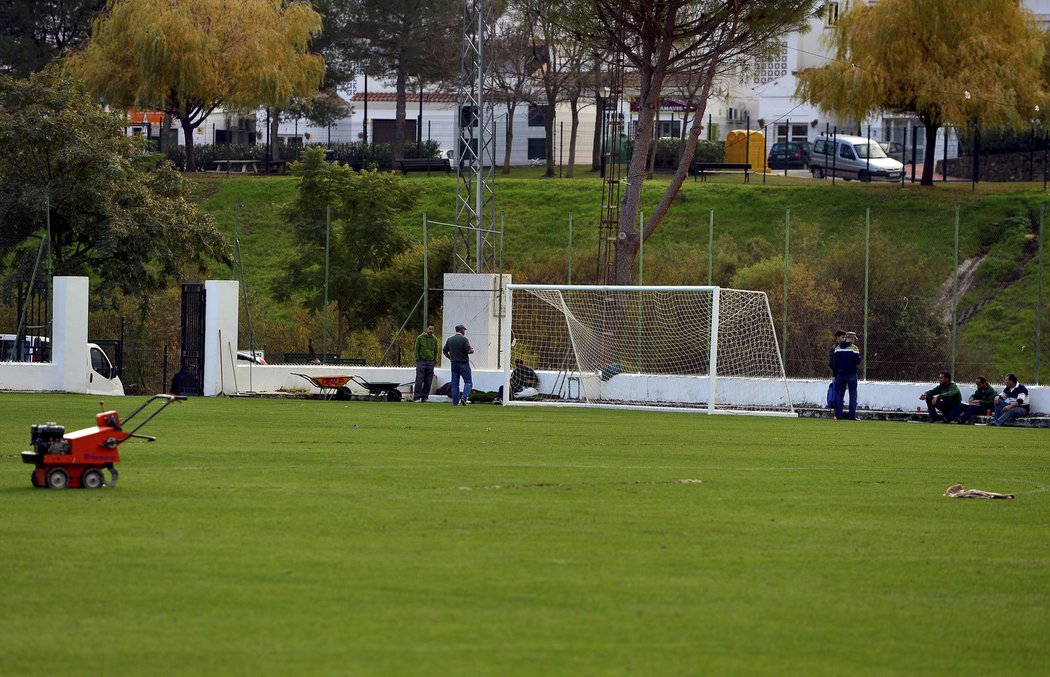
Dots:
{"x": 475, "y": 248}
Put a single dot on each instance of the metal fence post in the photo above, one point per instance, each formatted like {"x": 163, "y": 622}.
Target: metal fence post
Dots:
{"x": 955, "y": 290}
{"x": 327, "y": 237}
{"x": 787, "y": 266}
{"x": 570, "y": 249}
{"x": 426, "y": 274}
{"x": 710, "y": 246}
{"x": 867, "y": 268}
{"x": 1039, "y": 297}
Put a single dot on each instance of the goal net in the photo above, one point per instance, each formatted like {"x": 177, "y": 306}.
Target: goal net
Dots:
{"x": 703, "y": 348}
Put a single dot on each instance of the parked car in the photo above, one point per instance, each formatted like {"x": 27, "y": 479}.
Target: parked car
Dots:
{"x": 893, "y": 149}
{"x": 852, "y": 157}
{"x": 789, "y": 155}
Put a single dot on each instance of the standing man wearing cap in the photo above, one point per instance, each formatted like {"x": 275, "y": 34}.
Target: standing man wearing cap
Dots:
{"x": 426, "y": 357}
{"x": 458, "y": 350}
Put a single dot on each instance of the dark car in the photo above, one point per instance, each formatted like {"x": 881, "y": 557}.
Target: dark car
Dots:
{"x": 893, "y": 149}
{"x": 789, "y": 155}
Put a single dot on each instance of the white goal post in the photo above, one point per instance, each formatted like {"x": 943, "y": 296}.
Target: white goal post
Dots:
{"x": 644, "y": 347}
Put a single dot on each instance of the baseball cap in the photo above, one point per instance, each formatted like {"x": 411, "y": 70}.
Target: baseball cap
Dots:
{"x": 460, "y": 326}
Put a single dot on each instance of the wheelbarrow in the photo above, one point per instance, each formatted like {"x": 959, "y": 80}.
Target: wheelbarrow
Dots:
{"x": 330, "y": 386}
{"x": 378, "y": 390}
{"x": 336, "y": 386}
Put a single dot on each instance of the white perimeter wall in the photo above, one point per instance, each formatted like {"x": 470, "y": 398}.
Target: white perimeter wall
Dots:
{"x": 67, "y": 371}
{"x": 870, "y": 395}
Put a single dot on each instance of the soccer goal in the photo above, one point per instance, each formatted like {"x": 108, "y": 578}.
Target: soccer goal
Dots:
{"x": 698, "y": 348}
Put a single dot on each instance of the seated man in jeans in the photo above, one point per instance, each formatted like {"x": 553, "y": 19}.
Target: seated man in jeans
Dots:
{"x": 982, "y": 400}
{"x": 1012, "y": 402}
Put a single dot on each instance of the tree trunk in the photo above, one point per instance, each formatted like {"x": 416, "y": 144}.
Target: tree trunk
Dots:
{"x": 929, "y": 155}
{"x": 399, "y": 107}
{"x": 165, "y": 132}
{"x": 509, "y": 136}
{"x": 596, "y": 149}
{"x": 187, "y": 137}
{"x": 548, "y": 129}
{"x": 272, "y": 137}
{"x": 627, "y": 238}
{"x": 574, "y": 126}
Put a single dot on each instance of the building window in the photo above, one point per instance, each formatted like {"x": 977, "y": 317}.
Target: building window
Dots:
{"x": 536, "y": 115}
{"x": 538, "y": 148}
{"x": 831, "y": 13}
{"x": 670, "y": 129}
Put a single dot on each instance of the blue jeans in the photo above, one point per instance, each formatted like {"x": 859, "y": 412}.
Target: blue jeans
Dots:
{"x": 461, "y": 370}
{"x": 842, "y": 383}
{"x": 1002, "y": 416}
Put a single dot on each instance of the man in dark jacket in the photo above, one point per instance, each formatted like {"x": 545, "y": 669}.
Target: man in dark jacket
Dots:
{"x": 942, "y": 398}
{"x": 458, "y": 350}
{"x": 844, "y": 362}
{"x": 982, "y": 400}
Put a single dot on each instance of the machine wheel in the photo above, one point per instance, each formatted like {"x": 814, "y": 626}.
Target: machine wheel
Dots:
{"x": 864, "y": 176}
{"x": 32, "y": 478}
{"x": 91, "y": 479}
{"x": 818, "y": 172}
{"x": 393, "y": 396}
{"x": 57, "y": 478}
{"x": 113, "y": 476}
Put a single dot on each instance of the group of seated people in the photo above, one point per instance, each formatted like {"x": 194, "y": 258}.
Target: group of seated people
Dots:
{"x": 946, "y": 405}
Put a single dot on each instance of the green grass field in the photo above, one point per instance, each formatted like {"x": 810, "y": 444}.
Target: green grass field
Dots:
{"x": 308, "y": 537}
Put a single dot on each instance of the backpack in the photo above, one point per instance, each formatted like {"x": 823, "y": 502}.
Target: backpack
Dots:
{"x": 831, "y": 395}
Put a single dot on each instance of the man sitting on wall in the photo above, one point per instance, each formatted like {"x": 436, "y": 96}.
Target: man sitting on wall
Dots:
{"x": 942, "y": 398}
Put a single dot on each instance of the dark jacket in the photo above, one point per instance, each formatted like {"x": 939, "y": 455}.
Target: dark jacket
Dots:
{"x": 985, "y": 396}
{"x": 948, "y": 395}
{"x": 845, "y": 359}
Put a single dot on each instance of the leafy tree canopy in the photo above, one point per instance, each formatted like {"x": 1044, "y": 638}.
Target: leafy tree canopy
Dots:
{"x": 33, "y": 32}
{"x": 114, "y": 213}
{"x": 960, "y": 63}
{"x": 189, "y": 57}
{"x": 364, "y": 210}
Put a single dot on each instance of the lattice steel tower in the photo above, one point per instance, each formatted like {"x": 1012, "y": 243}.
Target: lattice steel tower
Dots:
{"x": 612, "y": 147}
{"x": 475, "y": 242}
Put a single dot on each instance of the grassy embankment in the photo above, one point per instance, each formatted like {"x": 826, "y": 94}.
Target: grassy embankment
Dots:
{"x": 998, "y": 224}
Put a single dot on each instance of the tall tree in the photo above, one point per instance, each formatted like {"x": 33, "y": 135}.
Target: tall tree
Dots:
{"x": 189, "y": 57}
{"x": 666, "y": 37}
{"x": 401, "y": 39}
{"x": 364, "y": 211}
{"x": 33, "y": 32}
{"x": 961, "y": 63}
{"x": 113, "y": 212}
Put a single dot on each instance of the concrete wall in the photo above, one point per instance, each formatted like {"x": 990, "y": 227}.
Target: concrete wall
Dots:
{"x": 67, "y": 371}
{"x": 871, "y": 395}
{"x": 474, "y": 301}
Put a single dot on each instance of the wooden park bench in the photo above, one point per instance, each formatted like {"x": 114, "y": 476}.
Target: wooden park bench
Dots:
{"x": 702, "y": 169}
{"x": 425, "y": 164}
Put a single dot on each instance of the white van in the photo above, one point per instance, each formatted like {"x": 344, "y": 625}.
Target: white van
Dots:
{"x": 102, "y": 378}
{"x": 852, "y": 157}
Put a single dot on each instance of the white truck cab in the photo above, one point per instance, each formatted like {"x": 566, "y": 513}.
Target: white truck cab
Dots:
{"x": 102, "y": 378}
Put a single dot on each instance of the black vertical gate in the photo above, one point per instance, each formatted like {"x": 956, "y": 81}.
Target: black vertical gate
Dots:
{"x": 192, "y": 353}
